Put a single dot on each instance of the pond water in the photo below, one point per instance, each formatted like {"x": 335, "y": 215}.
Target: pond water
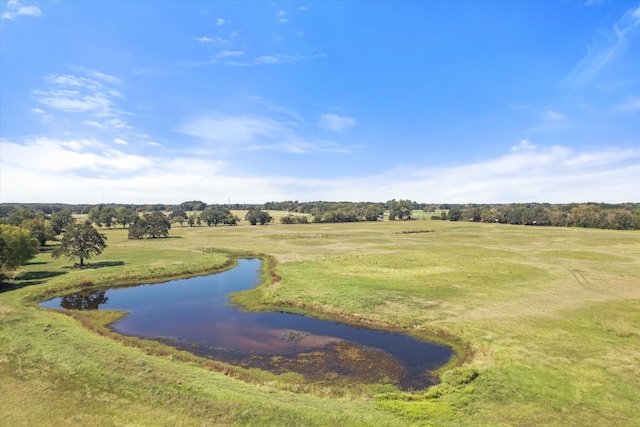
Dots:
{"x": 194, "y": 314}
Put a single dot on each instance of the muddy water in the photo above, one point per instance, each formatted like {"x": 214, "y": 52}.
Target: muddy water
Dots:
{"x": 194, "y": 314}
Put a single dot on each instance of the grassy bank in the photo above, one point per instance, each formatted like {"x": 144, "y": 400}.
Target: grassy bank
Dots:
{"x": 549, "y": 317}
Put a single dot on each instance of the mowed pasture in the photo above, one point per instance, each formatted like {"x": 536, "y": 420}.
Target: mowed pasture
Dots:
{"x": 548, "y": 318}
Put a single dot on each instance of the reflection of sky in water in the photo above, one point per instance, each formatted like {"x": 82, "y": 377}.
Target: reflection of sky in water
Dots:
{"x": 195, "y": 310}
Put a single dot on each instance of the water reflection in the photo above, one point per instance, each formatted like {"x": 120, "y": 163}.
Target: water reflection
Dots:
{"x": 84, "y": 301}
{"x": 194, "y": 314}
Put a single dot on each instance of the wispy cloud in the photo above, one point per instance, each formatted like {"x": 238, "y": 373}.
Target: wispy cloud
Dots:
{"x": 335, "y": 123}
{"x": 282, "y": 17}
{"x": 611, "y": 46}
{"x": 88, "y": 99}
{"x": 279, "y": 58}
{"x": 70, "y": 93}
{"x": 254, "y": 132}
{"x": 632, "y": 105}
{"x": 220, "y": 22}
{"x": 230, "y": 53}
{"x": 216, "y": 40}
{"x": 551, "y": 121}
{"x": 14, "y": 9}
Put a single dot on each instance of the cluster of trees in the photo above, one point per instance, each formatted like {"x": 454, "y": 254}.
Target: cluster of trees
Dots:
{"x": 588, "y": 215}
{"x": 257, "y": 215}
{"x": 401, "y": 209}
{"x": 152, "y": 225}
{"x": 294, "y": 219}
{"x": 109, "y": 216}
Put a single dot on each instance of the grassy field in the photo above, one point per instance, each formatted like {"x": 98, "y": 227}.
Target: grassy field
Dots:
{"x": 546, "y": 322}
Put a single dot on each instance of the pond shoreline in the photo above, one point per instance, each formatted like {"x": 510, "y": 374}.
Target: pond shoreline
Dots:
{"x": 102, "y": 324}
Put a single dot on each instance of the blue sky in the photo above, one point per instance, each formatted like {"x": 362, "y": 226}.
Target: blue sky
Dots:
{"x": 458, "y": 102}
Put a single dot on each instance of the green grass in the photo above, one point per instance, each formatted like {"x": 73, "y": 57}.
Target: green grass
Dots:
{"x": 547, "y": 318}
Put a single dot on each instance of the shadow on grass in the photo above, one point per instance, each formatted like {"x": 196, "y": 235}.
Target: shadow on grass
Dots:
{"x": 28, "y": 279}
{"x": 37, "y": 263}
{"x": 94, "y": 265}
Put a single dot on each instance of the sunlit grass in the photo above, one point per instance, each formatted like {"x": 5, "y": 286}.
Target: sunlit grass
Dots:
{"x": 551, "y": 317}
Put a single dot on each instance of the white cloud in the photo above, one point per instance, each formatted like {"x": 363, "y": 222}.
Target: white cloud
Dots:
{"x": 94, "y": 124}
{"x": 554, "y": 116}
{"x": 76, "y": 171}
{"x": 38, "y": 111}
{"x": 230, "y": 53}
{"x": 14, "y": 9}
{"x": 220, "y": 22}
{"x": 335, "y": 123}
{"x": 203, "y": 39}
{"x": 524, "y": 145}
{"x": 217, "y": 40}
{"x": 120, "y": 141}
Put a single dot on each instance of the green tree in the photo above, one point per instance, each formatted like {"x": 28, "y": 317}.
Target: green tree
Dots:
{"x": 125, "y": 216}
{"x": 40, "y": 229}
{"x": 455, "y": 214}
{"x": 401, "y": 209}
{"x": 257, "y": 215}
{"x": 17, "y": 246}
{"x": 372, "y": 212}
{"x": 108, "y": 215}
{"x": 80, "y": 241}
{"x": 178, "y": 216}
{"x": 61, "y": 220}
{"x": 154, "y": 224}
{"x": 18, "y": 216}
{"x": 158, "y": 224}
{"x": 95, "y": 216}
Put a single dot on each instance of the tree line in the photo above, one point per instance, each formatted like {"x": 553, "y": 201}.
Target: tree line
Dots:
{"x": 587, "y": 215}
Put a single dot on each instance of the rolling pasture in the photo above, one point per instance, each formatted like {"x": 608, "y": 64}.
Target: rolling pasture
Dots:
{"x": 545, "y": 322}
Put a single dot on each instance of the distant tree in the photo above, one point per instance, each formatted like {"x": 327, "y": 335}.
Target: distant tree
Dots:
{"x": 621, "y": 219}
{"x": 191, "y": 219}
{"x": 158, "y": 224}
{"x": 80, "y": 241}
{"x": 257, "y": 215}
{"x": 154, "y": 224}
{"x": 125, "y": 216}
{"x": 61, "y": 220}
{"x": 232, "y": 219}
{"x": 17, "y": 247}
{"x": 95, "y": 216}
{"x": 474, "y": 214}
{"x": 401, "y": 209}
{"x": 138, "y": 228}
{"x": 455, "y": 214}
{"x": 372, "y": 212}
{"x": 18, "y": 216}
{"x": 178, "y": 216}
{"x": 40, "y": 229}
{"x": 193, "y": 205}
{"x": 108, "y": 215}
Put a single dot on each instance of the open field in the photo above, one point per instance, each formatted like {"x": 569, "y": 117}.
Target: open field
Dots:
{"x": 549, "y": 319}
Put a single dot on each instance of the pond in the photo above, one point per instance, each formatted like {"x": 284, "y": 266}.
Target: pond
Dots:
{"x": 194, "y": 314}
